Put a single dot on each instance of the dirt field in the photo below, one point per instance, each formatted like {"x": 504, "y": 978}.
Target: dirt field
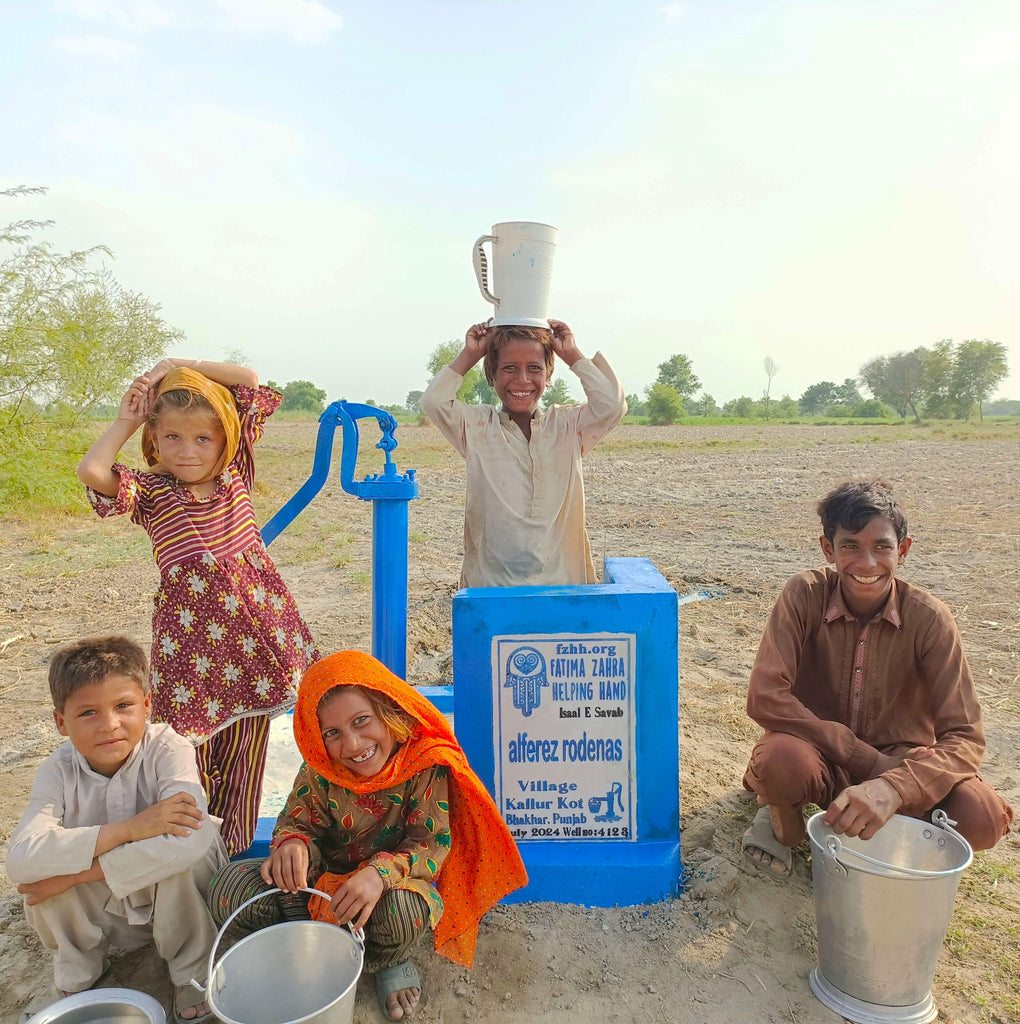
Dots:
{"x": 717, "y": 507}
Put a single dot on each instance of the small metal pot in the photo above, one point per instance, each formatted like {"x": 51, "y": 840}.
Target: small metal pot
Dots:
{"x": 103, "y": 1006}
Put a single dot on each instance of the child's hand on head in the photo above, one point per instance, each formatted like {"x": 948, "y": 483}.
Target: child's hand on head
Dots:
{"x": 563, "y": 342}
{"x": 287, "y": 867}
{"x": 476, "y": 341}
{"x": 134, "y": 406}
{"x": 159, "y": 371}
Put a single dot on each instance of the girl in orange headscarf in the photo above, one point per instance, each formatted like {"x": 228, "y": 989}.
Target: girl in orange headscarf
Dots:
{"x": 228, "y": 644}
{"x": 387, "y": 817}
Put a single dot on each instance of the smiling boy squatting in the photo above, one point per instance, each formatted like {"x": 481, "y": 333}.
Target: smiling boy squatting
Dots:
{"x": 864, "y": 691}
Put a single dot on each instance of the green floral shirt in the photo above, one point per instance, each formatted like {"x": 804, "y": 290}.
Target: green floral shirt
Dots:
{"x": 403, "y": 832}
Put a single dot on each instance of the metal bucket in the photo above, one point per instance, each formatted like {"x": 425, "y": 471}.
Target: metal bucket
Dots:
{"x": 103, "y": 1006}
{"x": 882, "y": 907}
{"x": 303, "y": 971}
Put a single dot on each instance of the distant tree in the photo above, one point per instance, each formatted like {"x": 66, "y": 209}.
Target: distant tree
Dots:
{"x": 847, "y": 393}
{"x": 1003, "y": 407}
{"x": 977, "y": 370}
{"x": 676, "y": 373}
{"x": 556, "y": 394}
{"x": 237, "y": 356}
{"x": 664, "y": 405}
{"x": 484, "y": 393}
{"x": 817, "y": 398}
{"x": 743, "y": 407}
{"x": 872, "y": 408}
{"x": 897, "y": 380}
{"x": 705, "y": 405}
{"x": 786, "y": 407}
{"x": 442, "y": 355}
{"x": 635, "y": 406}
{"x": 937, "y": 381}
{"x": 303, "y": 395}
{"x": 771, "y": 369}
{"x": 412, "y": 400}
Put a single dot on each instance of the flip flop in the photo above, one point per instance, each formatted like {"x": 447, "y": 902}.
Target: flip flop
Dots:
{"x": 185, "y": 997}
{"x": 761, "y": 837}
{"x": 393, "y": 979}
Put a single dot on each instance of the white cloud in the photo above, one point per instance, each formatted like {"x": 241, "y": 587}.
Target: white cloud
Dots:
{"x": 305, "y": 21}
{"x": 135, "y": 15}
{"x": 102, "y": 47}
{"x": 672, "y": 11}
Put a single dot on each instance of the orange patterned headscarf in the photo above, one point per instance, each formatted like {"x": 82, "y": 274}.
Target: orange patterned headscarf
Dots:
{"x": 182, "y": 378}
{"x": 483, "y": 864}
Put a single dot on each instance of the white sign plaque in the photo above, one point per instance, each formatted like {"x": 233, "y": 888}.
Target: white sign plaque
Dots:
{"x": 563, "y": 730}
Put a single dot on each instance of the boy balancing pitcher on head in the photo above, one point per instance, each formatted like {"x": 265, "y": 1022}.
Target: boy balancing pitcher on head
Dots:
{"x": 524, "y": 522}
{"x": 228, "y": 644}
{"x": 389, "y": 819}
{"x": 115, "y": 847}
{"x": 864, "y": 690}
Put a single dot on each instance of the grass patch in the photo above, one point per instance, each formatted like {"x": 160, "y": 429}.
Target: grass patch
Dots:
{"x": 992, "y": 939}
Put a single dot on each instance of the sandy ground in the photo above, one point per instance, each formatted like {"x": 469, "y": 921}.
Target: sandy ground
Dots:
{"x": 716, "y": 507}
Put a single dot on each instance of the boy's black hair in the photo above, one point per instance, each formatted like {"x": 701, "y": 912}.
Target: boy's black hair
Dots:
{"x": 93, "y": 659}
{"x": 855, "y": 503}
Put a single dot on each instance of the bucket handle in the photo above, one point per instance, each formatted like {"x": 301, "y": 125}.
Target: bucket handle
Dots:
{"x": 481, "y": 266}
{"x": 834, "y": 848}
{"x": 358, "y": 933}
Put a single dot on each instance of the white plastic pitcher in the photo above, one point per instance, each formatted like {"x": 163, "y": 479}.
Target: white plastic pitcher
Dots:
{"x": 522, "y": 261}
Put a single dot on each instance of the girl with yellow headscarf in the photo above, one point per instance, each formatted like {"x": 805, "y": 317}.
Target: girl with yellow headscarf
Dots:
{"x": 228, "y": 644}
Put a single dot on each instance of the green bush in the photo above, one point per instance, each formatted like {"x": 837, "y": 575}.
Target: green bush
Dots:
{"x": 38, "y": 460}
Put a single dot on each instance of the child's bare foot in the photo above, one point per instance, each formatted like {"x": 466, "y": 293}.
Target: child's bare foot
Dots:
{"x": 399, "y": 990}
{"x": 202, "y": 1009}
{"x": 762, "y": 844}
{"x": 189, "y": 1005}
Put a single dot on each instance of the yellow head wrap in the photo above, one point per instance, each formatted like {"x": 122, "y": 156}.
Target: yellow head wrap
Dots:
{"x": 222, "y": 401}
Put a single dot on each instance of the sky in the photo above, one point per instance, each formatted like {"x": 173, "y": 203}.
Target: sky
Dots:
{"x": 819, "y": 182}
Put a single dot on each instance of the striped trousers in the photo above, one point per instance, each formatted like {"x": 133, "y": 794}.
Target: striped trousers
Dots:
{"x": 231, "y": 763}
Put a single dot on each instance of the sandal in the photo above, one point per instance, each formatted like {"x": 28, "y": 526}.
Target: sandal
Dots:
{"x": 187, "y": 996}
{"x": 393, "y": 979}
{"x": 762, "y": 838}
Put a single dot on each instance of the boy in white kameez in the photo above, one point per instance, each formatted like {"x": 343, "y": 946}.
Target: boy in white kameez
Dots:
{"x": 116, "y": 847}
{"x": 524, "y": 517}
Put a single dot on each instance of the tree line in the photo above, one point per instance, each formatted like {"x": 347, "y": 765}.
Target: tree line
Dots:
{"x": 946, "y": 381}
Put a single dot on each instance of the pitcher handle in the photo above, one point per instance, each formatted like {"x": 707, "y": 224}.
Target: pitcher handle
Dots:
{"x": 358, "y": 933}
{"x": 481, "y": 266}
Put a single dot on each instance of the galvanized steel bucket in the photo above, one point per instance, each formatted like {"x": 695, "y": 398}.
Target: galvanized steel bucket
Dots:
{"x": 882, "y": 906}
{"x": 297, "y": 971}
